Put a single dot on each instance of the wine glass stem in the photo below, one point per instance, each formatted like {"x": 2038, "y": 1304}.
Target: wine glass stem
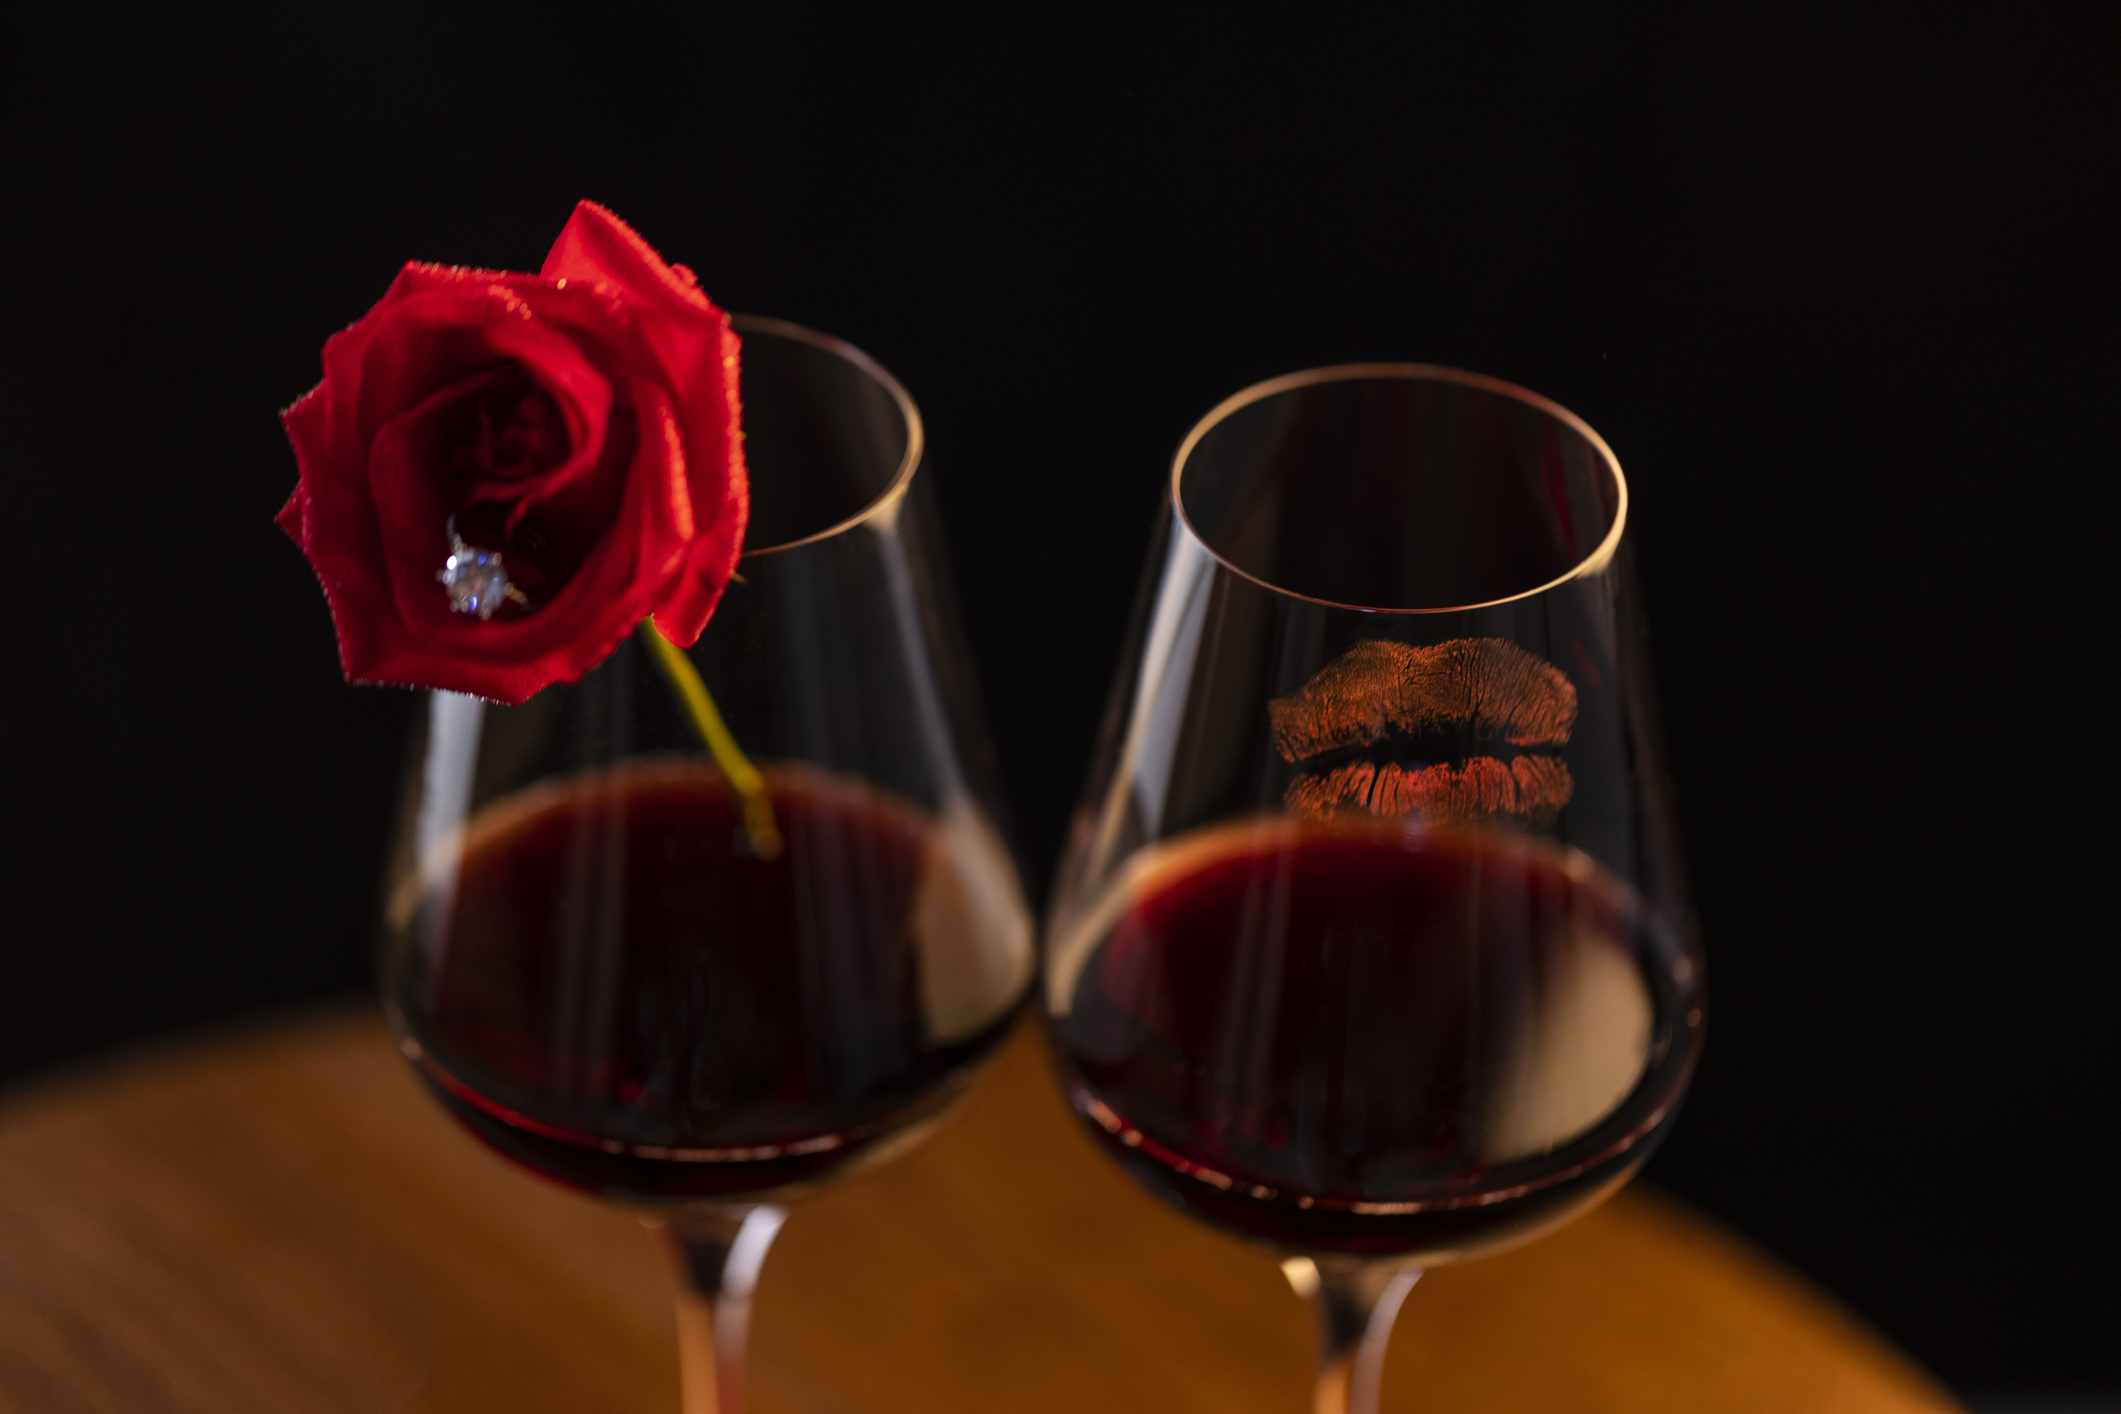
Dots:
{"x": 1353, "y": 1306}
{"x": 719, "y": 1253}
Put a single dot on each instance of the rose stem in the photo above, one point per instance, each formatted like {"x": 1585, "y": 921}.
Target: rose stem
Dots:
{"x": 743, "y": 777}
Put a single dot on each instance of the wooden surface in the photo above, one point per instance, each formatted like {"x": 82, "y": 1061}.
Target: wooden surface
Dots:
{"x": 280, "y": 1221}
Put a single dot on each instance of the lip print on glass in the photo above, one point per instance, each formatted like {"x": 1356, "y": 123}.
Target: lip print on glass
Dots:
{"x": 1458, "y": 734}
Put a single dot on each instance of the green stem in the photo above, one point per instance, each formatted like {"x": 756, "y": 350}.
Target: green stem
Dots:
{"x": 743, "y": 777}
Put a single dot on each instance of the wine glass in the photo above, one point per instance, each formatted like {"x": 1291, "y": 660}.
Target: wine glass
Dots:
{"x": 1370, "y": 944}
{"x": 601, "y": 969}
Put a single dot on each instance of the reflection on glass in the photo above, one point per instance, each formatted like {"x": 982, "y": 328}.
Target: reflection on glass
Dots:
{"x": 1370, "y": 944}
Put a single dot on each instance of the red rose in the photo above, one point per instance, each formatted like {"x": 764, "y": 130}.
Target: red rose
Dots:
{"x": 581, "y": 423}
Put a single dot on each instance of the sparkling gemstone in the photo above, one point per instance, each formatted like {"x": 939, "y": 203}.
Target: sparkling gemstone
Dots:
{"x": 476, "y": 579}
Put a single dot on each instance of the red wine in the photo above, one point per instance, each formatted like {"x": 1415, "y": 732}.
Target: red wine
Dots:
{"x": 608, "y": 986}
{"x": 1359, "y": 1037}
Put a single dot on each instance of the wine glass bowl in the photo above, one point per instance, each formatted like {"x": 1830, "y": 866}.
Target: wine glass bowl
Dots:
{"x": 1370, "y": 943}
{"x": 598, "y": 965}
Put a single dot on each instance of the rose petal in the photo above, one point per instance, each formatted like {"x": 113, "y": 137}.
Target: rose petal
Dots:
{"x": 720, "y": 487}
{"x": 689, "y": 335}
{"x": 595, "y": 245}
{"x": 416, "y": 345}
{"x": 374, "y": 648}
{"x": 338, "y": 526}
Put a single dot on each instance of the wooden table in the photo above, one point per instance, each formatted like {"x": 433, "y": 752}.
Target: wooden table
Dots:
{"x": 279, "y": 1221}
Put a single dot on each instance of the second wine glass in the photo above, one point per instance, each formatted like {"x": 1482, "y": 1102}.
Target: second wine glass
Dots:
{"x": 602, "y": 969}
{"x": 1370, "y": 944}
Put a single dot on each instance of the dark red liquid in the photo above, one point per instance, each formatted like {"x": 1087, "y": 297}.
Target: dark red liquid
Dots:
{"x": 618, "y": 994}
{"x": 1362, "y": 1039}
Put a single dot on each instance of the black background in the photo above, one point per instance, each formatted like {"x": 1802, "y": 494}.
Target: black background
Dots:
{"x": 1837, "y": 287}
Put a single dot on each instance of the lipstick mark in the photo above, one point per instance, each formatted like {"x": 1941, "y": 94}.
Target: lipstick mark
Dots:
{"x": 1400, "y": 731}
{"x": 1488, "y": 687}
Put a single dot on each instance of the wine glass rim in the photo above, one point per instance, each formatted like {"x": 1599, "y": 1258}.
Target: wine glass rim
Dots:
{"x": 1598, "y": 559}
{"x": 916, "y": 434}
